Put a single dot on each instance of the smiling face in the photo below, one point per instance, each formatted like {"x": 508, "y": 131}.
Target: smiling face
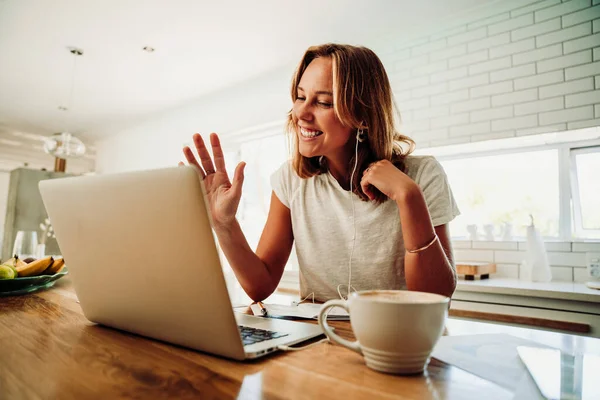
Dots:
{"x": 319, "y": 130}
{"x": 334, "y": 83}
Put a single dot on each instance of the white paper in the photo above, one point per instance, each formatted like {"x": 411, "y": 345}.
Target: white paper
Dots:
{"x": 491, "y": 356}
{"x": 304, "y": 310}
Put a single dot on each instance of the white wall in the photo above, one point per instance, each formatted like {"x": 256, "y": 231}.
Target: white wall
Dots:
{"x": 515, "y": 68}
{"x": 4, "y": 180}
{"x": 567, "y": 259}
{"x": 532, "y": 69}
{"x": 158, "y": 141}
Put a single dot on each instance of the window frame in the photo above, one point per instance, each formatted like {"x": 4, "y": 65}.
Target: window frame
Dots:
{"x": 566, "y": 174}
{"x": 580, "y": 231}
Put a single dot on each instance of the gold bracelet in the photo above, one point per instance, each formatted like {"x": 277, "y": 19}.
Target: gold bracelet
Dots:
{"x": 424, "y": 247}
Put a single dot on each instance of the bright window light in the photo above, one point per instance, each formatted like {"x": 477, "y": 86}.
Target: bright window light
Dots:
{"x": 504, "y": 189}
{"x": 586, "y": 189}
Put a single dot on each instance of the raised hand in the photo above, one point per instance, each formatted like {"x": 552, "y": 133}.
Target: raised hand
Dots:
{"x": 223, "y": 195}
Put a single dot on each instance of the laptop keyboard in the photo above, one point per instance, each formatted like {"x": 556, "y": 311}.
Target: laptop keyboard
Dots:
{"x": 254, "y": 335}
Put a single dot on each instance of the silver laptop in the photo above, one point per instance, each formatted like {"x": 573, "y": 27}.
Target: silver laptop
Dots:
{"x": 142, "y": 257}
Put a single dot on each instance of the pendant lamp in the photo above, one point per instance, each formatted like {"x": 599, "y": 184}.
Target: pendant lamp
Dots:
{"x": 65, "y": 145}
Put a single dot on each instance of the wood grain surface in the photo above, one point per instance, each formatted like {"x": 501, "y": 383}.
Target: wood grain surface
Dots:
{"x": 49, "y": 350}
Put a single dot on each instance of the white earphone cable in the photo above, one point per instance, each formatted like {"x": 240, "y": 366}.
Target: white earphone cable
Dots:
{"x": 288, "y": 348}
{"x": 353, "y": 219}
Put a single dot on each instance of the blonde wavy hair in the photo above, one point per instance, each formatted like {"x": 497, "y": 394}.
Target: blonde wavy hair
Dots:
{"x": 362, "y": 98}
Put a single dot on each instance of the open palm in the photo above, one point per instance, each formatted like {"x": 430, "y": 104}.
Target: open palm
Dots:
{"x": 223, "y": 195}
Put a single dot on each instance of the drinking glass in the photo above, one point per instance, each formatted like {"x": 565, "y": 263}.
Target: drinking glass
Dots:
{"x": 26, "y": 244}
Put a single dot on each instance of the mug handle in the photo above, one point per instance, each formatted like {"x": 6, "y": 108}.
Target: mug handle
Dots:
{"x": 329, "y": 332}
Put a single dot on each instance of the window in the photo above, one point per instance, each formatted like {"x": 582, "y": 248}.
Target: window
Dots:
{"x": 499, "y": 183}
{"x": 498, "y": 193}
{"x": 585, "y": 178}
{"x": 263, "y": 156}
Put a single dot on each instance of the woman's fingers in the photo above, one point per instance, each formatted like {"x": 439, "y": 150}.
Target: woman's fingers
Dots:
{"x": 366, "y": 186}
{"x": 191, "y": 159}
{"x": 217, "y": 152}
{"x": 205, "y": 159}
{"x": 203, "y": 154}
{"x": 238, "y": 178}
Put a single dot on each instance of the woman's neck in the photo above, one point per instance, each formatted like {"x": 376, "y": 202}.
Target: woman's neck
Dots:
{"x": 338, "y": 168}
{"x": 339, "y": 164}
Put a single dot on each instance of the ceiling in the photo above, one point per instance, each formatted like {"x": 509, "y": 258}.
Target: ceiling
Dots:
{"x": 200, "y": 47}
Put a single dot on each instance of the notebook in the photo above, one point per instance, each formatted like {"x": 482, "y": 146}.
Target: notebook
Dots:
{"x": 300, "y": 311}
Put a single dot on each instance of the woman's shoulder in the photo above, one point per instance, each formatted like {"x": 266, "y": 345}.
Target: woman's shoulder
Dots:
{"x": 420, "y": 162}
{"x": 286, "y": 170}
{"x": 286, "y": 173}
{"x": 420, "y": 167}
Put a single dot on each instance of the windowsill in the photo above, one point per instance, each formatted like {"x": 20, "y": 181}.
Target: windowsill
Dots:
{"x": 523, "y": 241}
{"x": 572, "y": 291}
{"x": 552, "y": 290}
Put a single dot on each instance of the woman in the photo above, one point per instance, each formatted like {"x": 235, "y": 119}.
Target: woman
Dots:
{"x": 364, "y": 214}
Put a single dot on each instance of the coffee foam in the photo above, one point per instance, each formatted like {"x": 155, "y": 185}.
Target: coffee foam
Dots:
{"x": 402, "y": 296}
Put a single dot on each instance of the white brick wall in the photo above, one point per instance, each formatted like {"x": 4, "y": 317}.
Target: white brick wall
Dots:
{"x": 567, "y": 259}
{"x": 534, "y": 107}
{"x": 539, "y": 80}
{"x": 543, "y": 53}
{"x": 520, "y": 96}
{"x": 531, "y": 69}
{"x": 561, "y": 9}
{"x": 533, "y": 7}
{"x": 587, "y": 14}
{"x": 574, "y": 100}
{"x": 580, "y": 85}
{"x": 559, "y": 63}
{"x": 563, "y": 35}
{"x": 582, "y": 71}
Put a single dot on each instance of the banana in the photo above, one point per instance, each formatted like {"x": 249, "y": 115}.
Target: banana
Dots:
{"x": 35, "y": 267}
{"x": 56, "y": 267}
{"x": 13, "y": 263}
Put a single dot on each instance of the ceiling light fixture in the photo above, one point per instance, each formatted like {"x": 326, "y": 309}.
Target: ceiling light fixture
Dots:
{"x": 148, "y": 49}
{"x": 65, "y": 145}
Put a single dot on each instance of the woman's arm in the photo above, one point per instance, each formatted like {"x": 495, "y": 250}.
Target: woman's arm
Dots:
{"x": 430, "y": 270}
{"x": 259, "y": 273}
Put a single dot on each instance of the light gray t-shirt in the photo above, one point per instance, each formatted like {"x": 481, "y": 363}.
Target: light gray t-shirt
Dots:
{"x": 322, "y": 224}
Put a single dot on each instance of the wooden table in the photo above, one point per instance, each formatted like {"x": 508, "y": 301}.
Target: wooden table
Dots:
{"x": 48, "y": 350}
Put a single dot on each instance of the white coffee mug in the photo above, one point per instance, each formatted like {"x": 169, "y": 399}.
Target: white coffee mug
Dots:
{"x": 396, "y": 330}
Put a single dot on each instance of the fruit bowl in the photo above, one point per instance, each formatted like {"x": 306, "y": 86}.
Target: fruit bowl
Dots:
{"x": 29, "y": 284}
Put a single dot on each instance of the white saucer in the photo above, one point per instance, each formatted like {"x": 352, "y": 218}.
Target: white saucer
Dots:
{"x": 593, "y": 284}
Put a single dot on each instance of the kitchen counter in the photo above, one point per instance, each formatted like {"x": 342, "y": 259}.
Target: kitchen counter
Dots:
{"x": 554, "y": 306}
{"x": 551, "y": 290}
{"x": 563, "y": 306}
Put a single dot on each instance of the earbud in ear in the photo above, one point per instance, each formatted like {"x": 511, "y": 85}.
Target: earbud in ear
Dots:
{"x": 361, "y": 136}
